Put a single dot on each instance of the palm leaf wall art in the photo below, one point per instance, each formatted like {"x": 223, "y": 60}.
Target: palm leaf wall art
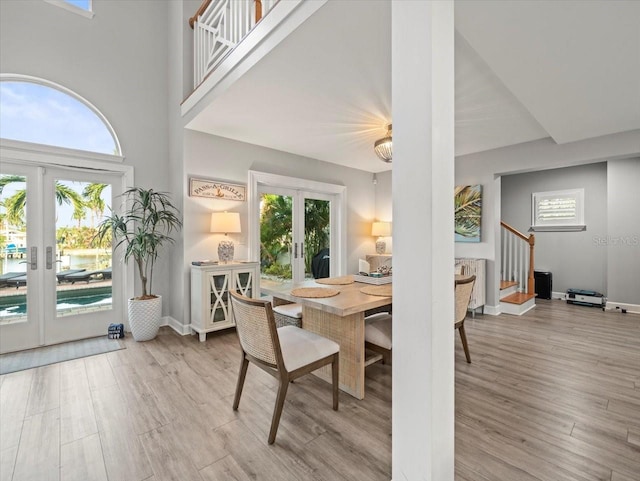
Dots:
{"x": 468, "y": 212}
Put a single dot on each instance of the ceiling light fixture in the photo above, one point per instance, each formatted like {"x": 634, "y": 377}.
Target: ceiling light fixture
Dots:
{"x": 384, "y": 146}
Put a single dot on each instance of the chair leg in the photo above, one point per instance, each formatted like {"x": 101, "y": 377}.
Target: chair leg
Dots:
{"x": 335, "y": 376}
{"x": 244, "y": 364}
{"x": 463, "y": 338}
{"x": 277, "y": 411}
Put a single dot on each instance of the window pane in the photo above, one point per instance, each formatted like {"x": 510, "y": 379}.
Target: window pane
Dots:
{"x": 83, "y": 4}
{"x": 13, "y": 248}
{"x": 36, "y": 113}
{"x": 559, "y": 208}
{"x": 83, "y": 267}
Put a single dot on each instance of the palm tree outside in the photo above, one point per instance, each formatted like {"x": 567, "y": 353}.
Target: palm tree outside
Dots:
{"x": 74, "y": 199}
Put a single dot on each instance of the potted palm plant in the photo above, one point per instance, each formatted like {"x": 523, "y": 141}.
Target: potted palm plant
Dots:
{"x": 142, "y": 229}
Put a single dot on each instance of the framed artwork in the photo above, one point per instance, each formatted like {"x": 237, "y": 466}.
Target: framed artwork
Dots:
{"x": 215, "y": 189}
{"x": 468, "y": 212}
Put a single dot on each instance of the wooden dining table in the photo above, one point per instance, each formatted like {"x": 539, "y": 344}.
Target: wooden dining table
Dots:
{"x": 341, "y": 319}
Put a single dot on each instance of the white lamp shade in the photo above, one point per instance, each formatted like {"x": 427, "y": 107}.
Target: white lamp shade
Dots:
{"x": 225, "y": 222}
{"x": 381, "y": 229}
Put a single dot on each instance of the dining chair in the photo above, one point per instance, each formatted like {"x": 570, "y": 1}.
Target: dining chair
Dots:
{"x": 286, "y": 353}
{"x": 463, "y": 288}
{"x": 377, "y": 335}
{"x": 287, "y": 313}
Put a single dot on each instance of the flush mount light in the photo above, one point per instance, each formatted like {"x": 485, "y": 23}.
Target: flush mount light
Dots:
{"x": 384, "y": 146}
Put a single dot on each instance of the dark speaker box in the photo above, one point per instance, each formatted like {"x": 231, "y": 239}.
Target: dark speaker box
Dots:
{"x": 544, "y": 284}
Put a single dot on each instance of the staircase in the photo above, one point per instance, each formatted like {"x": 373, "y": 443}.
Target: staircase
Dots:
{"x": 517, "y": 287}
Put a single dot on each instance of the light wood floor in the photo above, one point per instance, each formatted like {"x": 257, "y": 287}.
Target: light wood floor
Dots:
{"x": 552, "y": 395}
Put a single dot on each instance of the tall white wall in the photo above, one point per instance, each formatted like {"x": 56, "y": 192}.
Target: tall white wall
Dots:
{"x": 117, "y": 60}
{"x": 210, "y": 157}
{"x": 622, "y": 242}
{"x": 180, "y": 51}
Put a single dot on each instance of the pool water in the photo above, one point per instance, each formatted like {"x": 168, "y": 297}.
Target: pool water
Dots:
{"x": 72, "y": 300}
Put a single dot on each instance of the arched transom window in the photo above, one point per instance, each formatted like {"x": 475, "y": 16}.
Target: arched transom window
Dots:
{"x": 42, "y": 112}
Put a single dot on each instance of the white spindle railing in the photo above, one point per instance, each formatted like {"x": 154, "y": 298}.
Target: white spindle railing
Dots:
{"x": 517, "y": 258}
{"x": 222, "y": 25}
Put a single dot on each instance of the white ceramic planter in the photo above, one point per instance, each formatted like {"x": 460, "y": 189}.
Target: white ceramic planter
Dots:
{"x": 144, "y": 318}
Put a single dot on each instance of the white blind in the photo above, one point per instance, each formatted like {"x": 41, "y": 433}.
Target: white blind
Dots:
{"x": 558, "y": 208}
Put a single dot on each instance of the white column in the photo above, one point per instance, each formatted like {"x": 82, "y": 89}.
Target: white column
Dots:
{"x": 423, "y": 296}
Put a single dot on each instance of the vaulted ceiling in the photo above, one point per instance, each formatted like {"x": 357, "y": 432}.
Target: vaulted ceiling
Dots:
{"x": 525, "y": 70}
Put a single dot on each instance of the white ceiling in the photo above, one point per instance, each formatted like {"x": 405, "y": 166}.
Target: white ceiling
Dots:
{"x": 524, "y": 70}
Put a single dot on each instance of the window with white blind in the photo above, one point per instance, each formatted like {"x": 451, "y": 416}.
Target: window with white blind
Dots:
{"x": 561, "y": 210}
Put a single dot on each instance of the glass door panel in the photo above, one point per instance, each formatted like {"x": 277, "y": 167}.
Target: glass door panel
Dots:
{"x": 317, "y": 238}
{"x": 83, "y": 268}
{"x": 219, "y": 297}
{"x": 19, "y": 231}
{"x": 276, "y": 240}
{"x": 13, "y": 253}
{"x": 78, "y": 271}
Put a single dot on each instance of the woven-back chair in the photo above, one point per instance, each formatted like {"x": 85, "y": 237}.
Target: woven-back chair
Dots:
{"x": 463, "y": 287}
{"x": 286, "y": 353}
{"x": 378, "y": 335}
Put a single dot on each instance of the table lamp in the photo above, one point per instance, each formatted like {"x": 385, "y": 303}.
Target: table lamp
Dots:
{"x": 380, "y": 230}
{"x": 225, "y": 223}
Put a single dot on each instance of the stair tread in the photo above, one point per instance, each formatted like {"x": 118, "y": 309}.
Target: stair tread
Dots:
{"x": 518, "y": 298}
{"x": 507, "y": 284}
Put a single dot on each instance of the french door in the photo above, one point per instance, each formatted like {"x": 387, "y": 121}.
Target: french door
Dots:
{"x": 56, "y": 283}
{"x": 295, "y": 236}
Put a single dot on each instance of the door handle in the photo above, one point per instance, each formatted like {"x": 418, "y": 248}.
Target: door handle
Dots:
{"x": 33, "y": 262}
{"x": 295, "y": 250}
{"x": 49, "y": 257}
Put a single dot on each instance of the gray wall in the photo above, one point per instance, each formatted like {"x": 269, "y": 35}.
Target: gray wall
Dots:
{"x": 622, "y": 240}
{"x": 118, "y": 61}
{"x": 488, "y": 169}
{"x": 572, "y": 257}
{"x": 208, "y": 156}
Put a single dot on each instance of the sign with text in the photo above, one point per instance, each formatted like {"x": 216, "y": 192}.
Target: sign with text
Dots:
{"x": 214, "y": 189}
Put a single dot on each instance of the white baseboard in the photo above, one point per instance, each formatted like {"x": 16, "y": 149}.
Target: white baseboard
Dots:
{"x": 559, "y": 295}
{"x": 630, "y": 308}
{"x": 492, "y": 310}
{"x": 183, "y": 330}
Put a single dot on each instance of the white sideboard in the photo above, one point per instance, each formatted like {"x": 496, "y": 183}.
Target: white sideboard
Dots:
{"x": 210, "y": 286}
{"x": 475, "y": 267}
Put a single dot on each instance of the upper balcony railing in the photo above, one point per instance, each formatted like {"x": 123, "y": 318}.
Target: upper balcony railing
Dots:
{"x": 218, "y": 26}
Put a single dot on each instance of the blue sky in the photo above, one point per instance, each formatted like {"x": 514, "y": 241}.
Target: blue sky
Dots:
{"x": 35, "y": 113}
{"x": 83, "y": 4}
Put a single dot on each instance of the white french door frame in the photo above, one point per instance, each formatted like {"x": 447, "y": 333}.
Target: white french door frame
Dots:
{"x": 37, "y": 158}
{"x": 337, "y": 194}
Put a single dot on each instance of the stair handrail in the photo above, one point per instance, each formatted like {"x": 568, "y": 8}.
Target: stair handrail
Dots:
{"x": 203, "y": 6}
{"x": 531, "y": 240}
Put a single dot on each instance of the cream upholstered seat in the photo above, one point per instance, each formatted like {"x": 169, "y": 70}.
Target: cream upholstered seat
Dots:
{"x": 288, "y": 314}
{"x": 300, "y": 347}
{"x": 377, "y": 335}
{"x": 463, "y": 288}
{"x": 286, "y": 353}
